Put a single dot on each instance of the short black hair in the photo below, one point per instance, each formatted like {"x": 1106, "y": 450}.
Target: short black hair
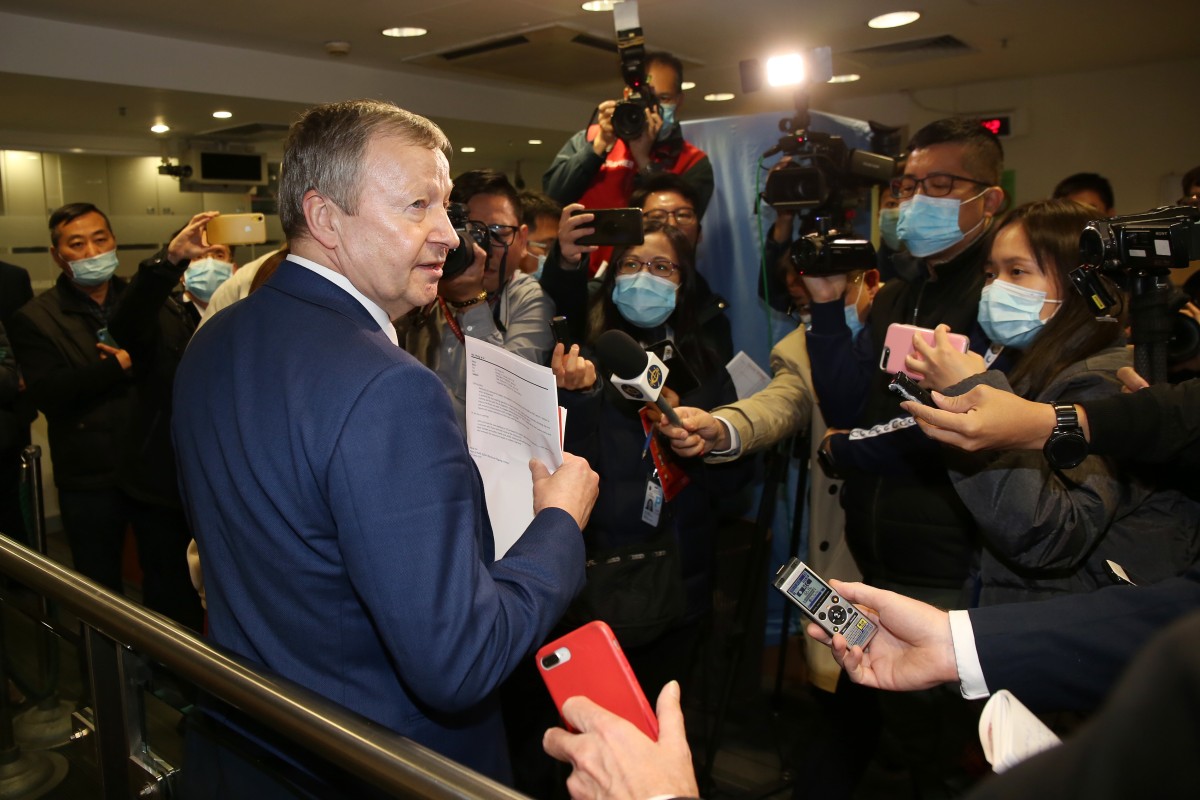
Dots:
{"x": 665, "y": 182}
{"x": 665, "y": 58}
{"x": 985, "y": 154}
{"x": 1085, "y": 182}
{"x": 1190, "y": 179}
{"x": 485, "y": 181}
{"x": 70, "y": 212}
{"x": 537, "y": 204}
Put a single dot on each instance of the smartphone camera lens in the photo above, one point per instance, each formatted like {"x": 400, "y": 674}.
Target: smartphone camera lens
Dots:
{"x": 550, "y": 661}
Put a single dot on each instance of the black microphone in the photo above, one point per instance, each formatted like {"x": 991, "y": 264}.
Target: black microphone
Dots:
{"x": 638, "y": 375}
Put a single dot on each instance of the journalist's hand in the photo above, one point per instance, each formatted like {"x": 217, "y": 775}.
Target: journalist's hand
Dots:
{"x": 701, "y": 432}
{"x": 605, "y": 138}
{"x": 942, "y": 364}
{"x": 571, "y": 370}
{"x": 986, "y": 418}
{"x": 570, "y": 229}
{"x": 468, "y": 284}
{"x": 912, "y": 649}
{"x": 613, "y": 760}
{"x": 188, "y": 244}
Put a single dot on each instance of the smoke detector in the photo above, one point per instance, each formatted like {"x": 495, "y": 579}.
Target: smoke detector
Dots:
{"x": 337, "y": 48}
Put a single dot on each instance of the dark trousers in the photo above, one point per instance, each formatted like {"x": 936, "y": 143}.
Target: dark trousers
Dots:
{"x": 95, "y": 522}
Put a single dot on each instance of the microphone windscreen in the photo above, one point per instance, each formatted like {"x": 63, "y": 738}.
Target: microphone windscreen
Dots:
{"x": 618, "y": 352}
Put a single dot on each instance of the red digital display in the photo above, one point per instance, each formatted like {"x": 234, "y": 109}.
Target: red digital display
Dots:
{"x": 997, "y": 125}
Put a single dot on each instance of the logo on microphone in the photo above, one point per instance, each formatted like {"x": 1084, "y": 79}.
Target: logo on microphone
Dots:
{"x": 654, "y": 376}
{"x": 632, "y": 392}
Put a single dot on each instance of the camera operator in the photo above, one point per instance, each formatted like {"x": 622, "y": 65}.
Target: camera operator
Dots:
{"x": 599, "y": 169}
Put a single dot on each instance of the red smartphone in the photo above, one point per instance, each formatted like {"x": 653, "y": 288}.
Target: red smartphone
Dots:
{"x": 898, "y": 344}
{"x": 588, "y": 661}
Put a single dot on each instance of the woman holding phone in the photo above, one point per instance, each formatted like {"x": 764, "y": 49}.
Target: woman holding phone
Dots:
{"x": 1048, "y": 530}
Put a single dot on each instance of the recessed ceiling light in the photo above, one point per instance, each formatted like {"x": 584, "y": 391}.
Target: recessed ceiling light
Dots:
{"x": 719, "y": 97}
{"x": 159, "y": 128}
{"x": 404, "y": 33}
{"x": 849, "y": 77}
{"x": 76, "y": 150}
{"x": 894, "y": 19}
{"x": 466, "y": 149}
{"x": 535, "y": 141}
{"x": 222, "y": 114}
{"x": 687, "y": 85}
{"x": 598, "y": 5}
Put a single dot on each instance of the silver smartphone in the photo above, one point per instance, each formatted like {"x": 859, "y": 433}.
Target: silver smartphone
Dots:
{"x": 822, "y": 604}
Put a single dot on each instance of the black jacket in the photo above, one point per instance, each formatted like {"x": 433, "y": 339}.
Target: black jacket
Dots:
{"x": 904, "y": 521}
{"x": 86, "y": 399}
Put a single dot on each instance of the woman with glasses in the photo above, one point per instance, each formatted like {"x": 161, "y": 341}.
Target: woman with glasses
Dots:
{"x": 656, "y": 514}
{"x": 1047, "y": 527}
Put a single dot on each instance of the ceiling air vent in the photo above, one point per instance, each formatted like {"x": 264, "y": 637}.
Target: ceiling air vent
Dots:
{"x": 485, "y": 47}
{"x": 911, "y": 52}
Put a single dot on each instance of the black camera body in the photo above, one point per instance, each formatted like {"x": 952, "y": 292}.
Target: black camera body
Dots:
{"x": 821, "y": 167}
{"x": 831, "y": 253}
{"x": 468, "y": 232}
{"x": 629, "y": 117}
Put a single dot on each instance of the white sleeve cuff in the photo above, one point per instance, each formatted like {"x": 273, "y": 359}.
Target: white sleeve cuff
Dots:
{"x": 970, "y": 673}
{"x": 735, "y": 441}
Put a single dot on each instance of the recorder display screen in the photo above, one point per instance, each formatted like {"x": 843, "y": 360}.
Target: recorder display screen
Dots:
{"x": 809, "y": 591}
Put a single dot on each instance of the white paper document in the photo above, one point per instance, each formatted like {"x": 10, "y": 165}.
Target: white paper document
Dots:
{"x": 748, "y": 376}
{"x": 512, "y": 416}
{"x": 1010, "y": 732}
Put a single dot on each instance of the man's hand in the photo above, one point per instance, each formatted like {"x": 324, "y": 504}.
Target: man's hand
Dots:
{"x": 986, "y": 419}
{"x": 825, "y": 290}
{"x": 571, "y": 370}
{"x": 640, "y": 147}
{"x": 189, "y": 244}
{"x": 701, "y": 433}
{"x": 122, "y": 356}
{"x": 468, "y": 284}
{"x": 912, "y": 649}
{"x": 573, "y": 487}
{"x": 942, "y": 364}
{"x": 570, "y": 229}
{"x": 1131, "y": 380}
{"x": 613, "y": 760}
{"x": 606, "y": 137}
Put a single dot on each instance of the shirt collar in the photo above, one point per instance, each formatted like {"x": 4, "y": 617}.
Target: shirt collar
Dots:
{"x": 377, "y": 313}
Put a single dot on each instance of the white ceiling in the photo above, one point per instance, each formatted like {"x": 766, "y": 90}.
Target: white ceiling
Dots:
{"x": 57, "y": 92}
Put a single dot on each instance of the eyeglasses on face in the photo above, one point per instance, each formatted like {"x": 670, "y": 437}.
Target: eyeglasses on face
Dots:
{"x": 500, "y": 234}
{"x": 935, "y": 184}
{"x": 679, "y": 216}
{"x": 662, "y": 267}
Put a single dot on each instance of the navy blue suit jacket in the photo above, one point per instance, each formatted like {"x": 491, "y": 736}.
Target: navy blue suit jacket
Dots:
{"x": 1066, "y": 653}
{"x": 341, "y": 521}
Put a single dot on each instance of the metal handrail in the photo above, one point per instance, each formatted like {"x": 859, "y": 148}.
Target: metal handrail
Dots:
{"x": 379, "y": 756}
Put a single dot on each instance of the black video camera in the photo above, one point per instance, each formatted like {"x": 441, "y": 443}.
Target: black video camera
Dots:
{"x": 1134, "y": 246}
{"x": 820, "y": 168}
{"x": 629, "y": 117}
{"x": 468, "y": 232}
{"x": 831, "y": 253}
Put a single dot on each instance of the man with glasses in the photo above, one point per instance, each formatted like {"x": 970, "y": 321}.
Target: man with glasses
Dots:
{"x": 491, "y": 300}
{"x": 600, "y": 170}
{"x": 905, "y": 524}
{"x": 1190, "y": 186}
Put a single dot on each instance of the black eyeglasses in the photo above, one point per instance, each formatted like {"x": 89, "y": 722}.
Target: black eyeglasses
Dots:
{"x": 500, "y": 234}
{"x": 680, "y": 216}
{"x": 935, "y": 184}
{"x": 662, "y": 267}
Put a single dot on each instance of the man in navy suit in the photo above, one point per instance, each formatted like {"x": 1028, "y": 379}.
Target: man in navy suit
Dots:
{"x": 340, "y": 520}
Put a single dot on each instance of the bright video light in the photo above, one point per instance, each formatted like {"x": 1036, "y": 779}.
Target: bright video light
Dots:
{"x": 785, "y": 70}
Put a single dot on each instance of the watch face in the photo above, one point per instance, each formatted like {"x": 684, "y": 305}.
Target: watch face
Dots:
{"x": 1066, "y": 450}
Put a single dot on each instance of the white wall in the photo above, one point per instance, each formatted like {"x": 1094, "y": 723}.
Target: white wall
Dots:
{"x": 1136, "y": 126}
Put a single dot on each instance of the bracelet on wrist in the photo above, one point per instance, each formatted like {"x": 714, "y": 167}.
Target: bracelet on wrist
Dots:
{"x": 479, "y": 298}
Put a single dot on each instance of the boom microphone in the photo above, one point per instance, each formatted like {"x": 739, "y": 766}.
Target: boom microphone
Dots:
{"x": 638, "y": 375}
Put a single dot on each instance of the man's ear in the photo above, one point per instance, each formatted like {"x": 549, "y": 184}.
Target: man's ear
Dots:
{"x": 994, "y": 200}
{"x": 319, "y": 216}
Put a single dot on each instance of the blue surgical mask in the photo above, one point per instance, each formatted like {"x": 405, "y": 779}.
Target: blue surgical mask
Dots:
{"x": 541, "y": 261}
{"x": 889, "y": 218}
{"x": 929, "y": 225}
{"x": 667, "y": 111}
{"x": 204, "y": 275}
{"x": 851, "y": 312}
{"x": 645, "y": 300}
{"x": 95, "y": 270}
{"x": 1011, "y": 315}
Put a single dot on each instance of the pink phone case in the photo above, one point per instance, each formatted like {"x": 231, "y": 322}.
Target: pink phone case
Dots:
{"x": 588, "y": 661}
{"x": 898, "y": 344}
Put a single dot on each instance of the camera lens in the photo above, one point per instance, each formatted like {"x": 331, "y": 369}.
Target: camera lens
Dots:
{"x": 629, "y": 119}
